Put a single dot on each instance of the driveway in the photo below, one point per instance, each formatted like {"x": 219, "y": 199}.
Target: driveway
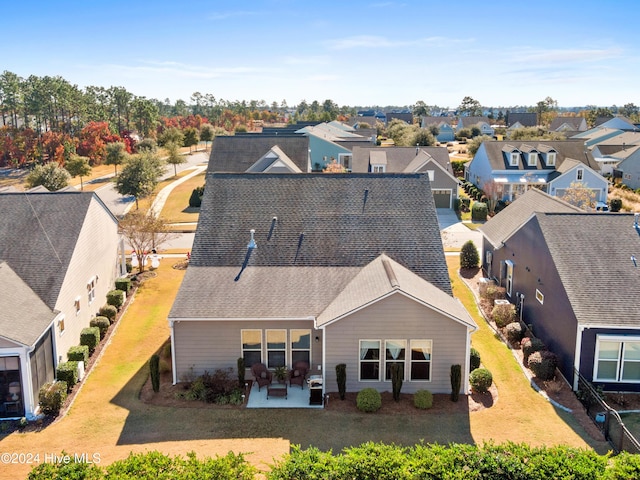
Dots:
{"x": 454, "y": 233}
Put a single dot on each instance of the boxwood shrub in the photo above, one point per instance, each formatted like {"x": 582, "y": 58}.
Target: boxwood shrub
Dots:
{"x": 530, "y": 345}
{"x": 108, "y": 311}
{"x": 514, "y": 333}
{"x": 474, "y": 359}
{"x": 480, "y": 379}
{"x": 78, "y": 353}
{"x": 115, "y": 298}
{"x": 503, "y": 314}
{"x": 543, "y": 364}
{"x": 51, "y": 397}
{"x": 90, "y": 337}
{"x": 102, "y": 323}
{"x": 123, "y": 284}
{"x": 479, "y": 212}
{"x": 368, "y": 400}
{"x": 67, "y": 372}
{"x": 423, "y": 399}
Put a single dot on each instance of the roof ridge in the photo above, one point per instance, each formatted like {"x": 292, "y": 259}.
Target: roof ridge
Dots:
{"x": 391, "y": 275}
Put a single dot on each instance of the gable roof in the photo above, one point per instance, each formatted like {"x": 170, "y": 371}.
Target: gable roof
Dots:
{"x": 602, "y": 284}
{"x": 275, "y": 160}
{"x": 471, "y": 121}
{"x": 398, "y": 159}
{"x": 24, "y": 315}
{"x": 496, "y": 153}
{"x": 38, "y": 235}
{"x": 506, "y": 222}
{"x": 238, "y": 153}
{"x": 323, "y": 220}
{"x": 383, "y": 277}
{"x": 567, "y": 123}
{"x": 525, "y": 119}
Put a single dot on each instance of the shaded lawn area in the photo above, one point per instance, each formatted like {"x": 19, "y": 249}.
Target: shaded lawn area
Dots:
{"x": 176, "y": 209}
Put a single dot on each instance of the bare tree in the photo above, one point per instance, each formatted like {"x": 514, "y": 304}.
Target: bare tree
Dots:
{"x": 144, "y": 233}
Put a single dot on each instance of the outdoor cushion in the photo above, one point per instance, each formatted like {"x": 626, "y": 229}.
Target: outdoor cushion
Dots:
{"x": 296, "y": 373}
{"x": 263, "y": 375}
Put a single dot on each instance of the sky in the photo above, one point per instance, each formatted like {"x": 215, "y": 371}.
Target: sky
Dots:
{"x": 355, "y": 53}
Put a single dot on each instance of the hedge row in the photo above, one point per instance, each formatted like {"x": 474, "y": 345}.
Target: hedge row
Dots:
{"x": 370, "y": 460}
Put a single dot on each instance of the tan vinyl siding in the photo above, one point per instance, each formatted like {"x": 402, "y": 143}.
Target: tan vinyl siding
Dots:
{"x": 209, "y": 345}
{"x": 396, "y": 317}
{"x": 95, "y": 255}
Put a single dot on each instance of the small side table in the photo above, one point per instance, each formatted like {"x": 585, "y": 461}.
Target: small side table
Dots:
{"x": 277, "y": 390}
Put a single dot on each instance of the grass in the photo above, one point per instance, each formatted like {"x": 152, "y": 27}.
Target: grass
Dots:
{"x": 108, "y": 418}
{"x": 176, "y": 209}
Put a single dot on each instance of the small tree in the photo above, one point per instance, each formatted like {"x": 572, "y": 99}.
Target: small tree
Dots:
{"x": 78, "y": 166}
{"x": 480, "y": 380}
{"x": 144, "y": 233}
{"x": 116, "y": 155}
{"x": 140, "y": 176}
{"x": 174, "y": 157}
{"x": 207, "y": 134}
{"x": 469, "y": 257}
{"x": 191, "y": 137}
{"x": 50, "y": 176}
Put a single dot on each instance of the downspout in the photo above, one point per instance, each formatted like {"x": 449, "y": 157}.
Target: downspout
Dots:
{"x": 576, "y": 359}
{"x": 466, "y": 363}
{"x": 173, "y": 353}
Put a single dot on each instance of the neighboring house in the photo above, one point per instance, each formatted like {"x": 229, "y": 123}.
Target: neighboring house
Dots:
{"x": 334, "y": 141}
{"x": 597, "y": 135}
{"x": 573, "y": 171}
{"x": 517, "y": 166}
{"x": 483, "y": 123}
{"x": 445, "y": 130}
{"x": 324, "y": 268}
{"x": 60, "y": 253}
{"x": 521, "y": 120}
{"x": 628, "y": 169}
{"x": 618, "y": 122}
{"x": 610, "y": 152}
{"x": 404, "y": 116}
{"x": 576, "y": 279}
{"x": 568, "y": 124}
{"x": 434, "y": 161}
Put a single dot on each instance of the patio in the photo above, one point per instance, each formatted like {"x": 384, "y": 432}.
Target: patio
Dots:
{"x": 296, "y": 398}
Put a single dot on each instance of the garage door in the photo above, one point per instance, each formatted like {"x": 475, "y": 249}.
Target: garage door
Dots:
{"x": 442, "y": 198}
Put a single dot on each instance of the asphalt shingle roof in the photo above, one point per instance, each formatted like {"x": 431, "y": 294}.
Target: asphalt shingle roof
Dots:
{"x": 592, "y": 254}
{"x": 565, "y": 149}
{"x": 398, "y": 159}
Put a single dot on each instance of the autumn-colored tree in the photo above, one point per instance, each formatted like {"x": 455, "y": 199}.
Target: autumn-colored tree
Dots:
{"x": 78, "y": 166}
{"x": 144, "y": 233}
{"x": 93, "y": 141}
{"x": 579, "y": 195}
{"x": 334, "y": 167}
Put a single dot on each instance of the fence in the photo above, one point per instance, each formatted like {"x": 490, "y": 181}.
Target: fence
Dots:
{"x": 606, "y": 418}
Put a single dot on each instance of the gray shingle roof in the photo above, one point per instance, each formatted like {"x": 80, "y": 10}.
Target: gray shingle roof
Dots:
{"x": 27, "y": 317}
{"x": 38, "y": 234}
{"x": 236, "y": 154}
{"x": 397, "y": 158}
{"x": 565, "y": 148}
{"x": 507, "y": 221}
{"x": 321, "y": 220}
{"x": 592, "y": 253}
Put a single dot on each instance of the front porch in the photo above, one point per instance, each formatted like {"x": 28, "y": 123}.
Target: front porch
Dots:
{"x": 296, "y": 397}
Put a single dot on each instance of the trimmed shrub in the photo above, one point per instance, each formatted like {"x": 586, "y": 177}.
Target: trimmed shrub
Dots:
{"x": 90, "y": 337}
{"x": 503, "y": 314}
{"x": 480, "y": 379}
{"x": 543, "y": 364}
{"x": 474, "y": 359}
{"x": 67, "y": 372}
{"x": 514, "y": 333}
{"x": 530, "y": 345}
{"x": 123, "y": 284}
{"x": 368, "y": 400}
{"x": 456, "y": 204}
{"x": 108, "y": 311}
{"x": 479, "y": 212}
{"x": 469, "y": 257}
{"x": 615, "y": 205}
{"x": 341, "y": 378}
{"x": 102, "y": 323}
{"x": 241, "y": 370}
{"x": 154, "y": 371}
{"x": 494, "y": 292}
{"x": 456, "y": 382}
{"x": 51, "y": 397}
{"x": 115, "y": 298}
{"x": 79, "y": 353}
{"x": 397, "y": 372}
{"x": 195, "y": 200}
{"x": 423, "y": 399}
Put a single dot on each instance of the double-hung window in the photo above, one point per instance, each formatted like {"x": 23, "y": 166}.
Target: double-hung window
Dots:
{"x": 300, "y": 346}
{"x": 276, "y": 348}
{"x": 91, "y": 290}
{"x": 369, "y": 359}
{"x": 513, "y": 159}
{"x": 251, "y": 347}
{"x": 394, "y": 354}
{"x": 421, "y": 360}
{"x": 617, "y": 359}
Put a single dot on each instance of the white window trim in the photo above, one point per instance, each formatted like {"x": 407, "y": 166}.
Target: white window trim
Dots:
{"x": 91, "y": 289}
{"x": 242, "y": 349}
{"x": 533, "y": 159}
{"x": 379, "y": 360}
{"x": 620, "y": 360}
{"x": 430, "y": 361}
{"x": 403, "y": 361}
{"x": 509, "y": 276}
{"x": 77, "y": 304}
{"x": 61, "y": 326}
{"x": 540, "y": 296}
{"x": 267, "y": 349}
{"x": 432, "y": 175}
{"x": 580, "y": 174}
{"x": 292, "y": 349}
{"x": 551, "y": 159}
{"x": 377, "y": 169}
{"x": 342, "y": 157}
{"x": 514, "y": 158}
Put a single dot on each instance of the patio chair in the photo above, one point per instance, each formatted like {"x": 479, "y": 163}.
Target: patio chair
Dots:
{"x": 261, "y": 374}
{"x": 298, "y": 374}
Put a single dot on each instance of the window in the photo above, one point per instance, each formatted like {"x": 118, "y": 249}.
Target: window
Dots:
{"x": 369, "y": 359}
{"x": 579, "y": 174}
{"x": 420, "y": 360}
{"x": 627, "y": 176}
{"x": 513, "y": 160}
{"x": 617, "y": 359}
{"x": 345, "y": 160}
{"x": 431, "y": 174}
{"x": 276, "y": 348}
{"x": 91, "y": 290}
{"x": 76, "y": 304}
{"x": 377, "y": 168}
{"x": 251, "y": 347}
{"x": 61, "y": 325}
{"x": 300, "y": 346}
{"x": 539, "y": 296}
{"x": 394, "y": 353}
{"x": 533, "y": 159}
{"x": 551, "y": 159}
{"x": 509, "y": 284}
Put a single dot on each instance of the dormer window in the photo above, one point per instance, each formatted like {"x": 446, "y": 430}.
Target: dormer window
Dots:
{"x": 551, "y": 159}
{"x": 513, "y": 159}
{"x": 377, "y": 168}
{"x": 533, "y": 159}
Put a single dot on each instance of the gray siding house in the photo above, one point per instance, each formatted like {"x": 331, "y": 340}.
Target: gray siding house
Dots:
{"x": 321, "y": 268}
{"x": 60, "y": 253}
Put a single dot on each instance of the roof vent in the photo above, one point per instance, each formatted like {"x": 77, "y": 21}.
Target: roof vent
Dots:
{"x": 274, "y": 220}
{"x": 252, "y": 242}
{"x": 633, "y": 259}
